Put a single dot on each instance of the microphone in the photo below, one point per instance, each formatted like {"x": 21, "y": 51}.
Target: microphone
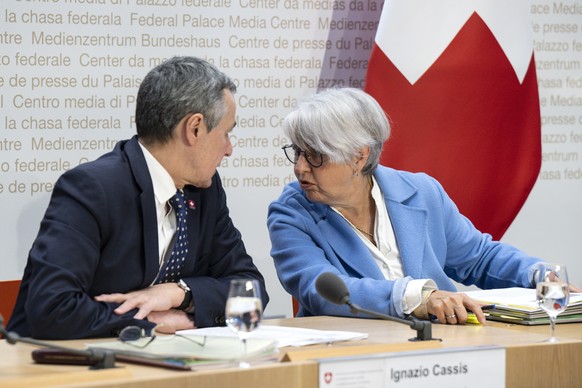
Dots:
{"x": 96, "y": 358}
{"x": 333, "y": 289}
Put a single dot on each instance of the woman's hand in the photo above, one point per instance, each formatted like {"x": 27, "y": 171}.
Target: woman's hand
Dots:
{"x": 451, "y": 307}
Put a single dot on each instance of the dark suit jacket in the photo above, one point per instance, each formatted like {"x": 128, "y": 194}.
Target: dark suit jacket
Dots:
{"x": 99, "y": 236}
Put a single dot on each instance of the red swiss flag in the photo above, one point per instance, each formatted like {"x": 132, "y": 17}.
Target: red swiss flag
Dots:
{"x": 463, "y": 101}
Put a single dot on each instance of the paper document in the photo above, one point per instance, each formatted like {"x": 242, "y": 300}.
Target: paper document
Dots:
{"x": 213, "y": 345}
{"x": 284, "y": 335}
{"x": 519, "y": 305}
{"x": 191, "y": 347}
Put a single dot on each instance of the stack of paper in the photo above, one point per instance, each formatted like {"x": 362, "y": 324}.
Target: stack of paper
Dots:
{"x": 285, "y": 336}
{"x": 219, "y": 345}
{"x": 519, "y": 305}
{"x": 191, "y": 349}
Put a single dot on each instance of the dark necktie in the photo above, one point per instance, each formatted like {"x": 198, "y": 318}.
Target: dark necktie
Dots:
{"x": 171, "y": 270}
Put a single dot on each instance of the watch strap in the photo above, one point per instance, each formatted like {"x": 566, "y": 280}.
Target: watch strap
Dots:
{"x": 187, "y": 296}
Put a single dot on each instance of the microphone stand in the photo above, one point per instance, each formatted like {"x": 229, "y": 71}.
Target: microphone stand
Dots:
{"x": 98, "y": 359}
{"x": 423, "y": 328}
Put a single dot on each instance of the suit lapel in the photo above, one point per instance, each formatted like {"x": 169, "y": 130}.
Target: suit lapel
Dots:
{"x": 352, "y": 254}
{"x": 409, "y": 222}
{"x": 147, "y": 200}
{"x": 193, "y": 222}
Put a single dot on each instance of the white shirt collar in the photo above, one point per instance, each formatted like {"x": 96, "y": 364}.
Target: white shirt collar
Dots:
{"x": 164, "y": 187}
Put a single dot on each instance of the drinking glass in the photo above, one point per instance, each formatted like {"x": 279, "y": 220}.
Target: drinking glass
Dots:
{"x": 243, "y": 311}
{"x": 552, "y": 292}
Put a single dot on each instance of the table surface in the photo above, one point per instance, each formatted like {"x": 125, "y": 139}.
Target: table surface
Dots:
{"x": 492, "y": 333}
{"x": 17, "y": 368}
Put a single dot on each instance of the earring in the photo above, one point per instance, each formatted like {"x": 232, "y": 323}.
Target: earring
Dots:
{"x": 355, "y": 172}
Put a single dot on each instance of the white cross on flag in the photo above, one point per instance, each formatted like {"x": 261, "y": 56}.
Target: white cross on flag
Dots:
{"x": 457, "y": 79}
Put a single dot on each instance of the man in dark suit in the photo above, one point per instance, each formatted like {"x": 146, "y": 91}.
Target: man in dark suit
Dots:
{"x": 99, "y": 261}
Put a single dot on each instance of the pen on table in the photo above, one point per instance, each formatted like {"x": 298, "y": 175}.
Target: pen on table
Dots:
{"x": 471, "y": 315}
{"x": 472, "y": 318}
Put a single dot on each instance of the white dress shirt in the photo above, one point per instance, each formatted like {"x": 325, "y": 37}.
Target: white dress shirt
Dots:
{"x": 164, "y": 189}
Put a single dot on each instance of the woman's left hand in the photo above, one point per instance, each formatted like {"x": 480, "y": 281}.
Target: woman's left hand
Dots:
{"x": 451, "y": 307}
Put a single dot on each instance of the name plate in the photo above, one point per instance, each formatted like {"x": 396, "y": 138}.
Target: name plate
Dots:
{"x": 458, "y": 367}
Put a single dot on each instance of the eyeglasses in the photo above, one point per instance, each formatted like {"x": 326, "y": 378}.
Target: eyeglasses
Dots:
{"x": 131, "y": 334}
{"x": 292, "y": 152}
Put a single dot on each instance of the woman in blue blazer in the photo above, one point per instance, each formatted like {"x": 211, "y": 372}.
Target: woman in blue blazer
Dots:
{"x": 395, "y": 238}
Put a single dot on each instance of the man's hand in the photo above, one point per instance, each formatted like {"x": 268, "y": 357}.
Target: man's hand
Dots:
{"x": 451, "y": 307}
{"x": 159, "y": 297}
{"x": 171, "y": 321}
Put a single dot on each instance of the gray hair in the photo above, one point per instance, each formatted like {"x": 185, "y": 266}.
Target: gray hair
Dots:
{"x": 176, "y": 87}
{"x": 339, "y": 123}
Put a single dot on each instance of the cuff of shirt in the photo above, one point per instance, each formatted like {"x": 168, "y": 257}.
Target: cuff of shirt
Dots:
{"x": 413, "y": 293}
{"x": 532, "y": 274}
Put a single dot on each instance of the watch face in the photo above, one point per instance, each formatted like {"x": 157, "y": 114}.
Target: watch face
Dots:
{"x": 182, "y": 284}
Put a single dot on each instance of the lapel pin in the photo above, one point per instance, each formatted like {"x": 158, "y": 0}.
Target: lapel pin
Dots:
{"x": 191, "y": 204}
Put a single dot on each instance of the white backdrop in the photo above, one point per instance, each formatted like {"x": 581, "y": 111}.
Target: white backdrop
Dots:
{"x": 69, "y": 71}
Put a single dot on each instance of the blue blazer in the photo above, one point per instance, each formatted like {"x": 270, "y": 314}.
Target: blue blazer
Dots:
{"x": 435, "y": 242}
{"x": 99, "y": 236}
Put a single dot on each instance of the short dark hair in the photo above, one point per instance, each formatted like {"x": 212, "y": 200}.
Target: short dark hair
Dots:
{"x": 176, "y": 87}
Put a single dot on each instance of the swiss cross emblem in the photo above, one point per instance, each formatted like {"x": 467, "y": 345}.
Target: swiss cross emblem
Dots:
{"x": 327, "y": 377}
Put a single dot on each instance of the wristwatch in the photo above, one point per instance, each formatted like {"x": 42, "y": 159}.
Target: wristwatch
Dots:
{"x": 187, "y": 295}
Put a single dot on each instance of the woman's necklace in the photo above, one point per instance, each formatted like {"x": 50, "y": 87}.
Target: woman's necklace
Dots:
{"x": 371, "y": 236}
{"x": 366, "y": 233}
